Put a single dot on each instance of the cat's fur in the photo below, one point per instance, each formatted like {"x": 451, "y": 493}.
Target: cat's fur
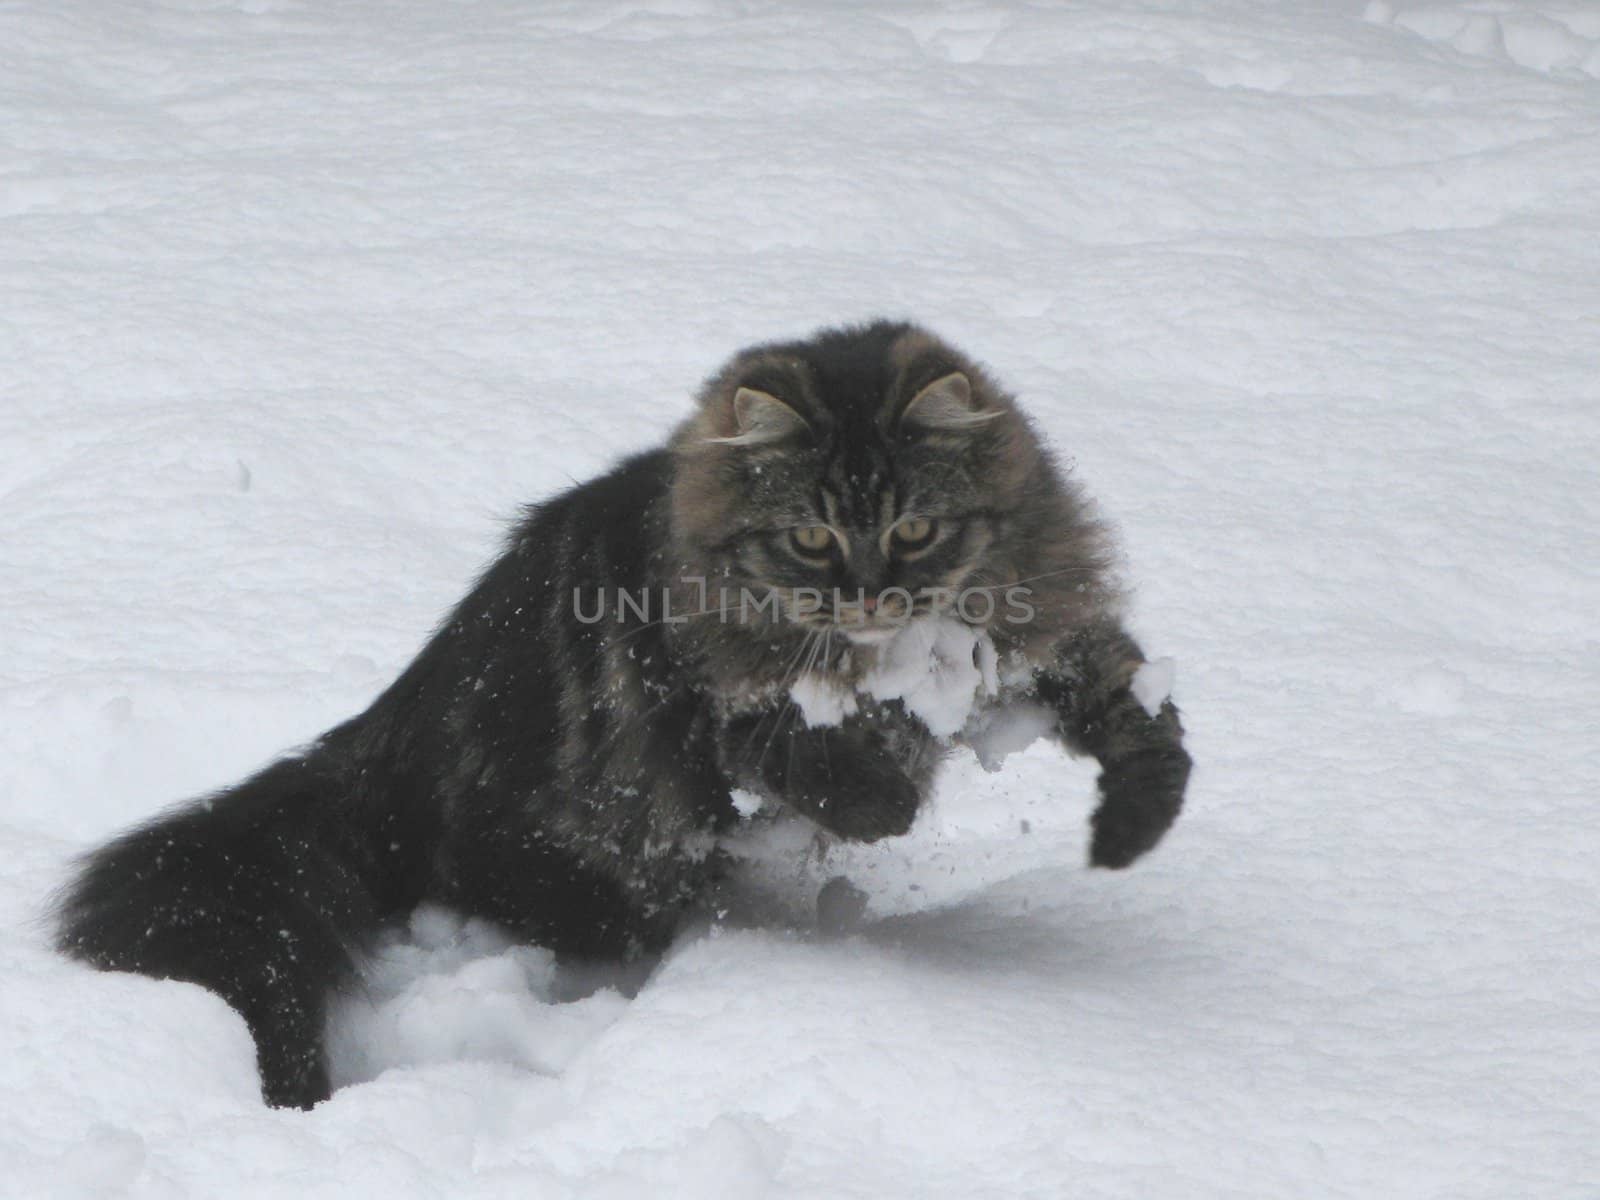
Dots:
{"x": 566, "y": 777}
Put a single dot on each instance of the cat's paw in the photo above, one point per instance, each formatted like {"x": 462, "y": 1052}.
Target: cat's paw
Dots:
{"x": 874, "y": 805}
{"x": 1139, "y": 799}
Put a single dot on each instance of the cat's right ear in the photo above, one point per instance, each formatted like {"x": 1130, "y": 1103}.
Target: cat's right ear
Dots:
{"x": 759, "y": 418}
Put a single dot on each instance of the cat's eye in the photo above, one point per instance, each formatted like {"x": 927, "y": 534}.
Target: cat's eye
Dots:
{"x": 915, "y": 533}
{"x": 812, "y": 539}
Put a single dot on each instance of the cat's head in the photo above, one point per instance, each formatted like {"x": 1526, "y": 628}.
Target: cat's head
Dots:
{"x": 870, "y": 475}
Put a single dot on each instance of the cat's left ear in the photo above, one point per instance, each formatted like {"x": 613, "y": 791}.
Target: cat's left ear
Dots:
{"x": 947, "y": 404}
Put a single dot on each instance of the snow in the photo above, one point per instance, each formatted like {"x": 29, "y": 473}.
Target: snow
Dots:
{"x": 823, "y": 703}
{"x": 449, "y": 988}
{"x": 939, "y": 667}
{"x": 746, "y": 804}
{"x": 1152, "y": 683}
{"x": 300, "y": 301}
{"x": 995, "y": 734}
{"x": 1541, "y": 37}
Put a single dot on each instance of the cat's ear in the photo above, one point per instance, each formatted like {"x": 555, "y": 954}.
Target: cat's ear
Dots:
{"x": 761, "y": 417}
{"x": 946, "y": 404}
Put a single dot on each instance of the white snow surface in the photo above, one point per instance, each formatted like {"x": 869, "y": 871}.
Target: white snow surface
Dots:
{"x": 298, "y": 302}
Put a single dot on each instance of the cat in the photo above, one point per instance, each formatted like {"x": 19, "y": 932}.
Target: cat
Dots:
{"x": 560, "y": 757}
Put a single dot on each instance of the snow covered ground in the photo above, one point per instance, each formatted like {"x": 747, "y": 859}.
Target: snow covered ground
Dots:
{"x": 299, "y": 300}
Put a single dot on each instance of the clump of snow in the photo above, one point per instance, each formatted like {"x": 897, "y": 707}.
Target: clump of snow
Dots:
{"x": 1152, "y": 683}
{"x": 995, "y": 734}
{"x": 746, "y": 803}
{"x": 821, "y": 700}
{"x": 450, "y": 988}
{"x": 937, "y": 666}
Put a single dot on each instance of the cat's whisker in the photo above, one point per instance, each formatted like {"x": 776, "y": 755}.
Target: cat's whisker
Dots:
{"x": 827, "y": 760}
{"x": 777, "y": 714}
{"x": 1091, "y": 571}
{"x": 788, "y": 706}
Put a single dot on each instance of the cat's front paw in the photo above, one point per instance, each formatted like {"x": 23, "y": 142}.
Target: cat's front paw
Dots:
{"x": 1139, "y": 799}
{"x": 876, "y": 804}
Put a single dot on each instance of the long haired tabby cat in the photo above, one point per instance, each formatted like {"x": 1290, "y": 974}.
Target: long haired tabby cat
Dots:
{"x": 564, "y": 775}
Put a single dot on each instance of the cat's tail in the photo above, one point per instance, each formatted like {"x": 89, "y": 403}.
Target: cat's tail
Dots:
{"x": 259, "y": 893}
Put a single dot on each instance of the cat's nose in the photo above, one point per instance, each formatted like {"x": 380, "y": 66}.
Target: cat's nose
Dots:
{"x": 870, "y": 603}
